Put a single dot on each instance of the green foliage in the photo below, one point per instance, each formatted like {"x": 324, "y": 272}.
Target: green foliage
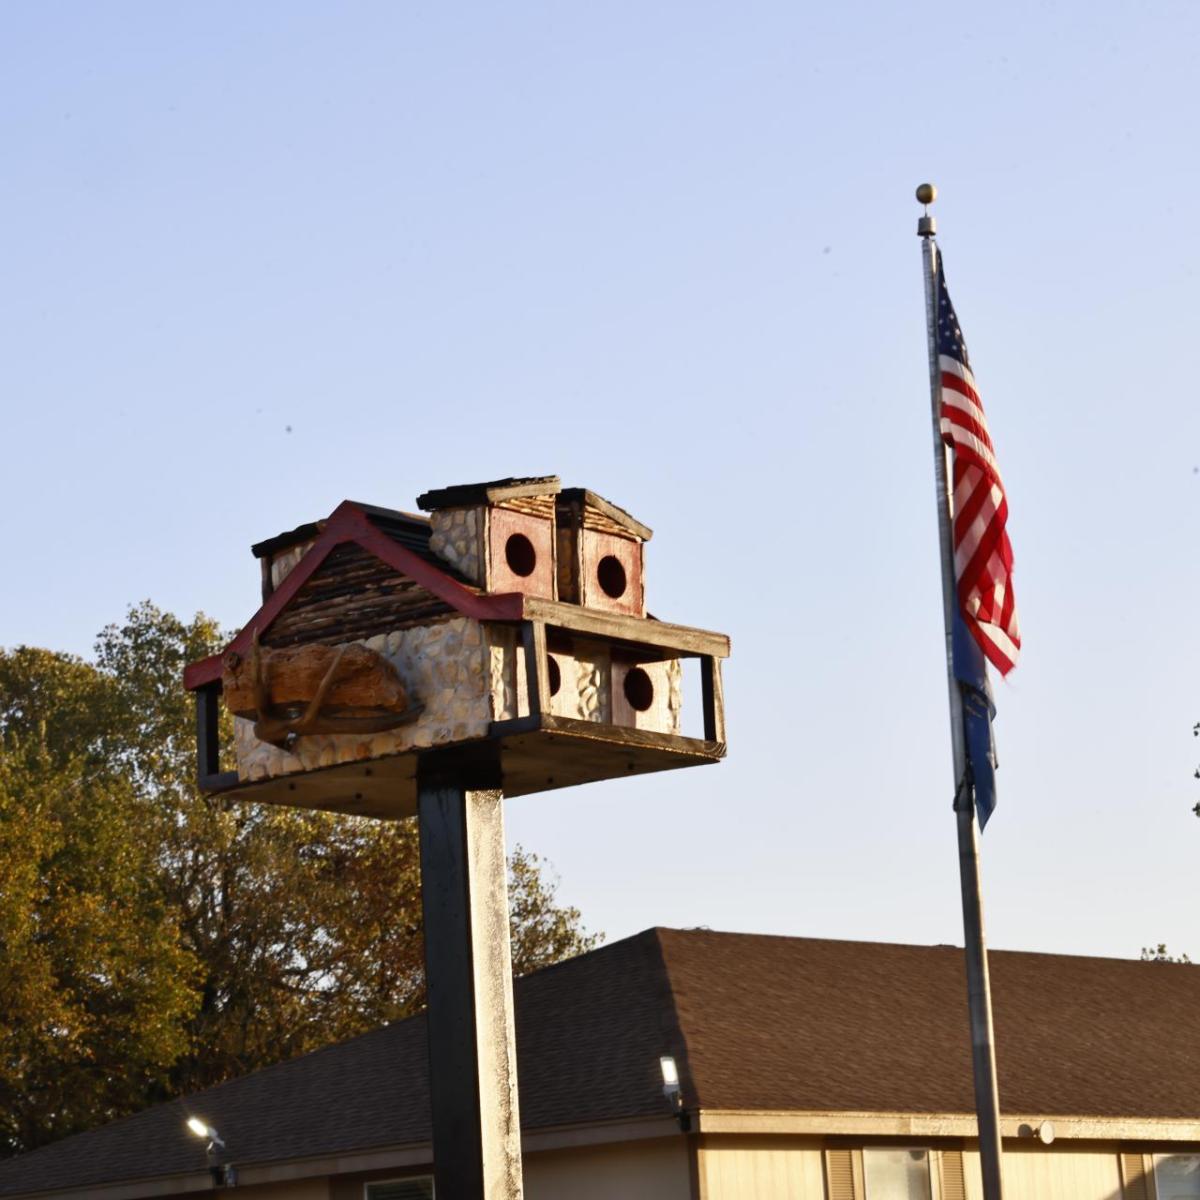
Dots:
{"x": 96, "y": 987}
{"x": 1159, "y": 954}
{"x": 542, "y": 932}
{"x": 153, "y": 940}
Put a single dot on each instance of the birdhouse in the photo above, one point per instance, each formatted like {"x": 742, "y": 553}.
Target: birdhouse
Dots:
{"x": 510, "y": 624}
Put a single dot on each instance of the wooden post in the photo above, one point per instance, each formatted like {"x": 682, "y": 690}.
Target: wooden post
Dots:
{"x": 468, "y": 971}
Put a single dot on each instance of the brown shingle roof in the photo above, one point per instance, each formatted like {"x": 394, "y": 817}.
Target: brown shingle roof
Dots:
{"x": 801, "y": 1024}
{"x": 755, "y": 1023}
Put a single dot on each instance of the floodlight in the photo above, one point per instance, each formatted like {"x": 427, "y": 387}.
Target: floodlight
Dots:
{"x": 671, "y": 1090}
{"x": 670, "y": 1078}
{"x": 203, "y": 1130}
{"x": 670, "y": 1073}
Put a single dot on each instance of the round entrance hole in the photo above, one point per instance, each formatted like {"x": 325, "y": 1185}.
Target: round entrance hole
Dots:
{"x": 552, "y": 669}
{"x": 520, "y": 555}
{"x": 639, "y": 689}
{"x": 611, "y": 577}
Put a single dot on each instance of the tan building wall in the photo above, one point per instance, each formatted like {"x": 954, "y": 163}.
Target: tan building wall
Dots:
{"x": 649, "y": 1170}
{"x": 750, "y": 1168}
{"x": 303, "y": 1189}
{"x": 1062, "y": 1172}
{"x": 787, "y": 1168}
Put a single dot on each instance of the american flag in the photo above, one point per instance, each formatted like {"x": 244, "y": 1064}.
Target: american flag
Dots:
{"x": 983, "y": 558}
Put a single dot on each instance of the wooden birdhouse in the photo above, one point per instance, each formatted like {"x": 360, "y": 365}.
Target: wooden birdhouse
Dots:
{"x": 510, "y": 624}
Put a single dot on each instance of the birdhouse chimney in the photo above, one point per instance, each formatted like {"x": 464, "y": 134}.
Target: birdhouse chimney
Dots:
{"x": 278, "y": 555}
{"x": 600, "y": 554}
{"x": 498, "y": 535}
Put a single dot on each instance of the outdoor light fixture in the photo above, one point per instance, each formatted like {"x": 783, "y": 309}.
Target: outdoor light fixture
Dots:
{"x": 670, "y": 1079}
{"x": 1043, "y": 1131}
{"x": 670, "y": 1076}
{"x": 203, "y": 1130}
{"x": 223, "y": 1174}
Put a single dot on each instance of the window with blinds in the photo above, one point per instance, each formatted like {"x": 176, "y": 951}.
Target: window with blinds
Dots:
{"x": 896, "y": 1174}
{"x": 1177, "y": 1176}
{"x": 417, "y": 1188}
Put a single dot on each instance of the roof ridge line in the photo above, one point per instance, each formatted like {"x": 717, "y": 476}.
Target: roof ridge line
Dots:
{"x": 683, "y": 1062}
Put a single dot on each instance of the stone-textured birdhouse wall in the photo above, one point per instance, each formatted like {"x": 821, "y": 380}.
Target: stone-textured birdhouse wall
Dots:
{"x": 458, "y": 539}
{"x": 466, "y": 675}
{"x": 442, "y": 666}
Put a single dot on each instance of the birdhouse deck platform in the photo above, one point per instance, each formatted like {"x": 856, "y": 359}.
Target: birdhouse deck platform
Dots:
{"x": 509, "y": 626}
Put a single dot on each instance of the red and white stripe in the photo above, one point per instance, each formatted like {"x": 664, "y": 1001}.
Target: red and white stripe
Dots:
{"x": 983, "y": 558}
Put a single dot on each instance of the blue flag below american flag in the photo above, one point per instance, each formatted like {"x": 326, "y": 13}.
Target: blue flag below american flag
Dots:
{"x": 985, "y": 617}
{"x": 970, "y": 670}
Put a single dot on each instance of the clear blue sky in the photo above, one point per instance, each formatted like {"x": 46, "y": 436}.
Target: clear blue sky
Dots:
{"x": 258, "y": 258}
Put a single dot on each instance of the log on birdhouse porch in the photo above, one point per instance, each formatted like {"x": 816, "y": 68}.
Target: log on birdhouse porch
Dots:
{"x": 295, "y": 691}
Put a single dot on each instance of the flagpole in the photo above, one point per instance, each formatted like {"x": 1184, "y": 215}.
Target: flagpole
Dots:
{"x": 979, "y": 993}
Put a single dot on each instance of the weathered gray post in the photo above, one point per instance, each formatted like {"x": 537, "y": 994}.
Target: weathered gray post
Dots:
{"x": 468, "y": 979}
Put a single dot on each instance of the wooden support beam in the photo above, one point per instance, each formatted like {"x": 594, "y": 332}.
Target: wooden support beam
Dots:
{"x": 713, "y": 693}
{"x": 634, "y": 631}
{"x": 468, "y": 971}
{"x": 537, "y": 666}
{"x": 208, "y": 741}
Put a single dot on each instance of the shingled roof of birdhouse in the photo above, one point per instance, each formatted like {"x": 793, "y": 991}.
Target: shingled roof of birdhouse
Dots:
{"x": 493, "y": 492}
{"x": 399, "y": 540}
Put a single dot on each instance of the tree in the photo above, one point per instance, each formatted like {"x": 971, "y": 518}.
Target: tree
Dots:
{"x": 282, "y": 930}
{"x": 96, "y": 987}
{"x": 1160, "y": 954}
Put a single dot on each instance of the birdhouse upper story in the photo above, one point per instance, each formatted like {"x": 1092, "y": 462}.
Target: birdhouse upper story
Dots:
{"x": 511, "y": 622}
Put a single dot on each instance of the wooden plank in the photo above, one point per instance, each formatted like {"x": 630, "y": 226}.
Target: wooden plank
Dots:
{"x": 219, "y": 781}
{"x": 546, "y": 761}
{"x": 623, "y": 737}
{"x": 564, "y": 753}
{"x": 633, "y": 631}
{"x": 461, "y": 495}
{"x": 582, "y": 498}
{"x": 537, "y": 669}
{"x": 713, "y": 692}
{"x": 208, "y": 717}
{"x": 468, "y": 971}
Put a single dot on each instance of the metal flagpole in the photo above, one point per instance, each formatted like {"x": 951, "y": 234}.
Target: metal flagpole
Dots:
{"x": 979, "y": 992}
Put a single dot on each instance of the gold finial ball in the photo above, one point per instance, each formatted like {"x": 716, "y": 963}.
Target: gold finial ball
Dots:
{"x": 926, "y": 193}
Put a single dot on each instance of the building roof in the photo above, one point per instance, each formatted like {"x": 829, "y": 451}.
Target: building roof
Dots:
{"x": 757, "y": 1024}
